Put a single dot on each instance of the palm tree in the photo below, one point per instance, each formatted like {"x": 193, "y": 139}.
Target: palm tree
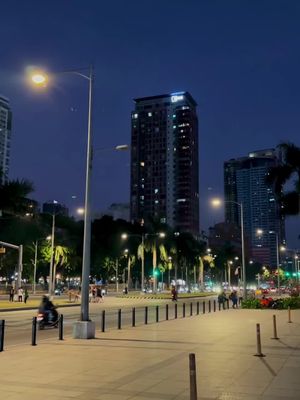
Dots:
{"x": 281, "y": 174}
{"x": 13, "y": 196}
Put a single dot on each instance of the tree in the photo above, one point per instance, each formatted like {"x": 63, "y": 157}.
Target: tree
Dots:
{"x": 13, "y": 196}
{"x": 284, "y": 173}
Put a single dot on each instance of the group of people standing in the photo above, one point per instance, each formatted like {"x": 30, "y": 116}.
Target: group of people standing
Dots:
{"x": 22, "y": 294}
{"x": 96, "y": 295}
{"x": 222, "y": 298}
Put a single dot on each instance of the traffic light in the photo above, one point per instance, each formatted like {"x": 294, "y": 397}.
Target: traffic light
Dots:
{"x": 287, "y": 274}
{"x": 156, "y": 272}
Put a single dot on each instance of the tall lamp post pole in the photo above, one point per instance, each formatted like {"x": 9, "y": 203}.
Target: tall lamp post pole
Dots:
{"x": 217, "y": 203}
{"x": 52, "y": 254}
{"x": 84, "y": 328}
{"x": 243, "y": 251}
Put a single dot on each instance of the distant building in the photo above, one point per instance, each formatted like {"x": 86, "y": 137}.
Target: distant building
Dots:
{"x": 245, "y": 182}
{"x": 56, "y": 208}
{"x": 119, "y": 211}
{"x": 5, "y": 137}
{"x": 164, "y": 161}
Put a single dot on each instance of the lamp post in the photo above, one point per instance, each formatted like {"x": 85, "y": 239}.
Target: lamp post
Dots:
{"x": 218, "y": 203}
{"x": 84, "y": 328}
{"x": 35, "y": 260}
{"x": 260, "y": 232}
{"x": 143, "y": 237}
{"x": 125, "y": 236}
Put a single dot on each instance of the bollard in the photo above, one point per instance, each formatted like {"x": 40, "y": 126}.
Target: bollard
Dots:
{"x": 146, "y": 315}
{"x": 33, "y": 332}
{"x": 133, "y": 316}
{"x": 193, "y": 377}
{"x": 175, "y": 316}
{"x": 191, "y": 309}
{"x": 215, "y": 306}
{"x": 103, "y": 321}
{"x": 275, "y": 328}
{"x": 183, "y": 310}
{"x": 167, "y": 312}
{"x": 203, "y": 307}
{"x": 2, "y": 335}
{"x": 227, "y": 301}
{"x": 289, "y": 314}
{"x": 119, "y": 318}
{"x": 258, "y": 342}
{"x": 157, "y": 313}
{"x": 198, "y": 307}
{"x": 219, "y": 306}
{"x": 209, "y": 306}
{"x": 61, "y": 328}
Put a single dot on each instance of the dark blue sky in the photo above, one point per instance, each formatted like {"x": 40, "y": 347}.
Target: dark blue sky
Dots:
{"x": 239, "y": 59}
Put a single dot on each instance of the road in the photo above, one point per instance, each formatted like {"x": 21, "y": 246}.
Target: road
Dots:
{"x": 18, "y": 324}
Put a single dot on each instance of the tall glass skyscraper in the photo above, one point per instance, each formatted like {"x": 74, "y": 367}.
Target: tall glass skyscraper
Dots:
{"x": 5, "y": 134}
{"x": 164, "y": 161}
{"x": 245, "y": 182}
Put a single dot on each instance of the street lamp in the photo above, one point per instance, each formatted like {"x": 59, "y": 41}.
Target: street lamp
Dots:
{"x": 260, "y": 232}
{"x": 84, "y": 328}
{"x": 125, "y": 236}
{"x": 35, "y": 259}
{"x": 217, "y": 203}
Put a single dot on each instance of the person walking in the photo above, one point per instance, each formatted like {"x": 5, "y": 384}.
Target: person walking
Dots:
{"x": 20, "y": 295}
{"x": 222, "y": 299}
{"x": 26, "y": 295}
{"x": 234, "y": 298}
{"x": 11, "y": 293}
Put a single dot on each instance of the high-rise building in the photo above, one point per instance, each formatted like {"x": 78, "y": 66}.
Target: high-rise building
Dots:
{"x": 5, "y": 134}
{"x": 164, "y": 161}
{"x": 245, "y": 183}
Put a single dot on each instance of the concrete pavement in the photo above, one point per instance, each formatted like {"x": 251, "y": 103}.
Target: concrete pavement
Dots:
{"x": 151, "y": 362}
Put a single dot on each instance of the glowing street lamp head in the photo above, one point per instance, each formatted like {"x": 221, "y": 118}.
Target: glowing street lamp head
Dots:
{"x": 37, "y": 77}
{"x": 259, "y": 232}
{"x": 162, "y": 234}
{"x": 80, "y": 211}
{"x": 124, "y": 236}
{"x": 216, "y": 202}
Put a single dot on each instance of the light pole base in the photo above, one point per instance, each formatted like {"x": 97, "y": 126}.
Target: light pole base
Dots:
{"x": 84, "y": 330}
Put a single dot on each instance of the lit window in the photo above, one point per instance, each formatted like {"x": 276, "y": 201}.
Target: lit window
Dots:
{"x": 135, "y": 116}
{"x": 174, "y": 126}
{"x": 142, "y": 163}
{"x": 149, "y": 114}
{"x": 156, "y": 202}
{"x": 155, "y": 191}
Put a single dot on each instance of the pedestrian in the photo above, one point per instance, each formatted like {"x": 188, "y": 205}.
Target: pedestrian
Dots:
{"x": 222, "y": 299}
{"x": 94, "y": 292}
{"x": 174, "y": 293}
{"x": 26, "y": 295}
{"x": 20, "y": 295}
{"x": 234, "y": 298}
{"x": 11, "y": 293}
{"x": 99, "y": 295}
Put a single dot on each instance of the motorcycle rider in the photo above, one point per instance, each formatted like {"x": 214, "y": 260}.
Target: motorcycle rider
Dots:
{"x": 48, "y": 309}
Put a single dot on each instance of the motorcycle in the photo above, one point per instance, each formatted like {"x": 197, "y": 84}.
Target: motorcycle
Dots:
{"x": 49, "y": 319}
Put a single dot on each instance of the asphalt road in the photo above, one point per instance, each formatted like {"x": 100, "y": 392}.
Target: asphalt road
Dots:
{"x": 18, "y": 324}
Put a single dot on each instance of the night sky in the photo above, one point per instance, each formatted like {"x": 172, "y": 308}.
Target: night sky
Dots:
{"x": 239, "y": 59}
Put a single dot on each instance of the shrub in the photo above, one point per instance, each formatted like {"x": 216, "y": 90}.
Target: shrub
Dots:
{"x": 251, "y": 303}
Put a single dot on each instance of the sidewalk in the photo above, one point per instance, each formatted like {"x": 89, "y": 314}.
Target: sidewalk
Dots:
{"x": 151, "y": 362}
